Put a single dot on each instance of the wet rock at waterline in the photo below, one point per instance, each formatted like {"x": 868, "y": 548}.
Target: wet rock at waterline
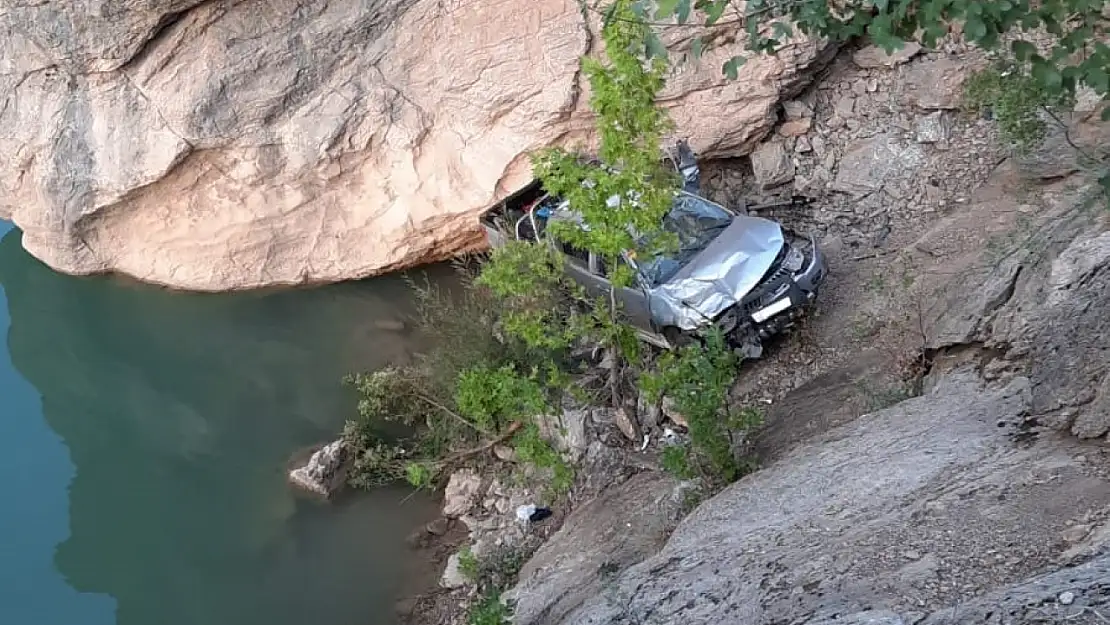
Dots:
{"x": 222, "y": 145}
{"x": 325, "y": 470}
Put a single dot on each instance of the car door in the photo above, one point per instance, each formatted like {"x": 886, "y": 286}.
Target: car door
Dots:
{"x": 633, "y": 299}
{"x": 577, "y": 266}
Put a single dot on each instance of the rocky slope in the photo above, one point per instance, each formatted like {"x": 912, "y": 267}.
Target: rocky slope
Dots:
{"x": 985, "y": 500}
{"x": 221, "y": 144}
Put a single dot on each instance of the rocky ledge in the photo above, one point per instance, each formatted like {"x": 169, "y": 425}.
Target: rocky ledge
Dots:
{"x": 985, "y": 500}
{"x": 225, "y": 144}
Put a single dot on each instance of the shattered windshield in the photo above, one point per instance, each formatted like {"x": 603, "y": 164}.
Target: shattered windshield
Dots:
{"x": 697, "y": 222}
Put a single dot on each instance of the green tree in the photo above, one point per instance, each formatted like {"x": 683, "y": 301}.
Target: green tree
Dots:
{"x": 621, "y": 198}
{"x": 1077, "y": 56}
{"x": 698, "y": 378}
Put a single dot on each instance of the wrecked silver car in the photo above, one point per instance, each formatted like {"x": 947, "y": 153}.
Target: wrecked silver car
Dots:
{"x": 746, "y": 275}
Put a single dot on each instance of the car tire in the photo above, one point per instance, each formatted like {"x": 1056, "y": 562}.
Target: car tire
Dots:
{"x": 677, "y": 338}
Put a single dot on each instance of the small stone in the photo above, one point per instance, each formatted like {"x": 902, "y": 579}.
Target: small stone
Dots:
{"x": 872, "y": 57}
{"x": 1086, "y": 99}
{"x": 1067, "y": 597}
{"x": 771, "y": 165}
{"x": 325, "y": 470}
{"x": 628, "y": 426}
{"x": 803, "y": 146}
{"x": 796, "y": 127}
{"x": 852, "y": 123}
{"x": 870, "y": 163}
{"x": 911, "y": 554}
{"x": 463, "y": 489}
{"x": 936, "y": 83}
{"x": 931, "y": 128}
{"x": 452, "y": 574}
{"x": 672, "y": 413}
{"x": 504, "y": 453}
{"x": 872, "y": 85}
{"x": 935, "y": 507}
{"x": 797, "y": 109}
{"x": 818, "y": 145}
{"x": 389, "y": 325}
{"x": 933, "y": 194}
{"x": 845, "y": 106}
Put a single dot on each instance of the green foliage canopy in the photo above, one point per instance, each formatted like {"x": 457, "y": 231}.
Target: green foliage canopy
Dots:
{"x": 623, "y": 196}
{"x": 1078, "y": 55}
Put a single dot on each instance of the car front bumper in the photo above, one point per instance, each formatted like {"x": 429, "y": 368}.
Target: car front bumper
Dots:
{"x": 801, "y": 292}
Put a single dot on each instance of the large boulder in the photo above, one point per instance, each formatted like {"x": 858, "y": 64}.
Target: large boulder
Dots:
{"x": 220, "y": 144}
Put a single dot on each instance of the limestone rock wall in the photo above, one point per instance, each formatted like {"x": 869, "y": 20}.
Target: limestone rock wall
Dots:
{"x": 225, "y": 144}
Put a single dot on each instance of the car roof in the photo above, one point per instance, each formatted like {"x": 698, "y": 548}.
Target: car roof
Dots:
{"x": 563, "y": 212}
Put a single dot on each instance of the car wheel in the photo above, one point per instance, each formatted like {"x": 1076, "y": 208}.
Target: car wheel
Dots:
{"x": 677, "y": 338}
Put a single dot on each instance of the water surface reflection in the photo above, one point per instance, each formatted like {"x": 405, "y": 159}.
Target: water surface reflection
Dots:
{"x": 179, "y": 412}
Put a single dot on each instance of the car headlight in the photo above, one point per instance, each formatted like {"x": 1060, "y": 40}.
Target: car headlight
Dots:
{"x": 794, "y": 259}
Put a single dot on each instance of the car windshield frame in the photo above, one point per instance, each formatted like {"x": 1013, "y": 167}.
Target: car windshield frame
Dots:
{"x": 697, "y": 222}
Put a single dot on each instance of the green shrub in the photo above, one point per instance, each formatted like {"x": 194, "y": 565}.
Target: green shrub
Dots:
{"x": 493, "y": 397}
{"x": 676, "y": 461}
{"x": 419, "y": 474}
{"x": 531, "y": 448}
{"x": 698, "y": 377}
{"x": 1017, "y": 101}
{"x": 468, "y": 564}
{"x": 489, "y": 610}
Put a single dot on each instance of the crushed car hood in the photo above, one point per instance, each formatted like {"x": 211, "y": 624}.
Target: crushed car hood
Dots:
{"x": 725, "y": 271}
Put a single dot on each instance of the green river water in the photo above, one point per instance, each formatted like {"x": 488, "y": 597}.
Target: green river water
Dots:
{"x": 144, "y": 437}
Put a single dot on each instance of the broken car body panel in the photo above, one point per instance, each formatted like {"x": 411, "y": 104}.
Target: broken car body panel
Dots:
{"x": 720, "y": 275}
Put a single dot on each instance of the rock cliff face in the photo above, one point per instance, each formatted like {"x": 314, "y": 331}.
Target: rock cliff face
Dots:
{"x": 979, "y": 502}
{"x": 220, "y": 144}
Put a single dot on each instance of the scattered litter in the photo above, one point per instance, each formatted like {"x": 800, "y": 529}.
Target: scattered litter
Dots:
{"x": 530, "y": 513}
{"x": 647, "y": 439}
{"x": 669, "y": 436}
{"x": 1067, "y": 597}
{"x": 525, "y": 512}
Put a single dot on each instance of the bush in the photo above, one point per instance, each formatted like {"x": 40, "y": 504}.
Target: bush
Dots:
{"x": 493, "y": 397}
{"x": 676, "y": 461}
{"x": 537, "y": 300}
{"x": 489, "y": 610}
{"x": 533, "y": 449}
{"x": 1016, "y": 100}
{"x": 698, "y": 377}
{"x": 469, "y": 392}
{"x": 468, "y": 564}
